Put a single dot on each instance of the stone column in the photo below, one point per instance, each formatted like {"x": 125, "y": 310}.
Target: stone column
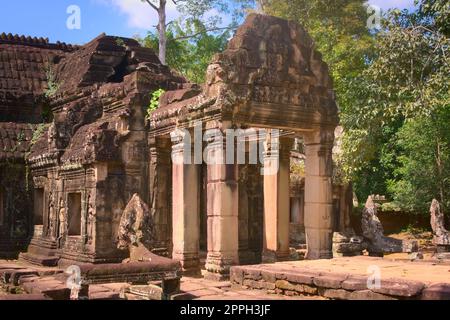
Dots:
{"x": 297, "y": 226}
{"x": 160, "y": 185}
{"x": 185, "y": 205}
{"x": 223, "y": 195}
{"x": 245, "y": 255}
{"x": 319, "y": 194}
{"x": 255, "y": 211}
{"x": 276, "y": 201}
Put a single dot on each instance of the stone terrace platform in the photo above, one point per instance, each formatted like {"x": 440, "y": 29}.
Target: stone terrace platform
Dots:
{"x": 347, "y": 279}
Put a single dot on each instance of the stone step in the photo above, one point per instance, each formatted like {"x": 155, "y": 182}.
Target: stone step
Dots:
{"x": 12, "y": 276}
{"x": 50, "y": 287}
{"x": 284, "y": 280}
{"x": 39, "y": 260}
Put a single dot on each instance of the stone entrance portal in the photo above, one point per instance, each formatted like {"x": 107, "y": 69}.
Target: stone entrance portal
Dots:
{"x": 271, "y": 78}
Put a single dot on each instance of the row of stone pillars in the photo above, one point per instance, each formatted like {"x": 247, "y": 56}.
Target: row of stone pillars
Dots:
{"x": 223, "y": 204}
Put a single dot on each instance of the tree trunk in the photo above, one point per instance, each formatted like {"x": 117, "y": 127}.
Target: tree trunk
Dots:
{"x": 162, "y": 31}
{"x": 440, "y": 171}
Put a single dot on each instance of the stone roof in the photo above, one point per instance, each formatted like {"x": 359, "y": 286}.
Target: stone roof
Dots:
{"x": 15, "y": 140}
{"x": 270, "y": 75}
{"x": 107, "y": 59}
{"x": 24, "y": 62}
{"x": 95, "y": 62}
{"x": 103, "y": 78}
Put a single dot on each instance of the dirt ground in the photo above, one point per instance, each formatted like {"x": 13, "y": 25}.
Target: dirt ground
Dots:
{"x": 424, "y": 238}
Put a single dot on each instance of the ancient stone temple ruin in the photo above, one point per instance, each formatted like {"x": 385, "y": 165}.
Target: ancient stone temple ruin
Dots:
{"x": 74, "y": 125}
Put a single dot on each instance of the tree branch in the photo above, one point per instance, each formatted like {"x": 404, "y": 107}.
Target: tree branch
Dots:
{"x": 176, "y": 2}
{"x": 152, "y": 5}
{"x": 200, "y": 32}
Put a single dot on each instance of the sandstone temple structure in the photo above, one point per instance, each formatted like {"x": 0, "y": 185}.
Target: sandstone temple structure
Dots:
{"x": 76, "y": 144}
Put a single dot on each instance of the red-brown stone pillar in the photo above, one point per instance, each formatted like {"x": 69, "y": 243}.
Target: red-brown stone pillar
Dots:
{"x": 185, "y": 205}
{"x": 276, "y": 200}
{"x": 160, "y": 185}
{"x": 223, "y": 195}
{"x": 319, "y": 194}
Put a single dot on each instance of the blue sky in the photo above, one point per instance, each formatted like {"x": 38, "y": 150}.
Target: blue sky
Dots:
{"x": 47, "y": 18}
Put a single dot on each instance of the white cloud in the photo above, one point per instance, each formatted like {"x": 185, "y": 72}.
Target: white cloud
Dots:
{"x": 140, "y": 15}
{"x": 387, "y": 4}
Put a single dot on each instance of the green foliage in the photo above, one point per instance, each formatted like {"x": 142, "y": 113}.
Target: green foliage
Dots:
{"x": 297, "y": 171}
{"x": 399, "y": 117}
{"x": 437, "y": 12}
{"x": 424, "y": 170}
{"x": 120, "y": 42}
{"x": 340, "y": 34}
{"x": 190, "y": 47}
{"x": 393, "y": 91}
{"x": 37, "y": 133}
{"x": 154, "y": 102}
{"x": 21, "y": 137}
{"x": 52, "y": 84}
{"x": 46, "y": 114}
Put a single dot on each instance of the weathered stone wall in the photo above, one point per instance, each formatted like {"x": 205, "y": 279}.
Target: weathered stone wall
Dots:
{"x": 16, "y": 202}
{"x": 331, "y": 285}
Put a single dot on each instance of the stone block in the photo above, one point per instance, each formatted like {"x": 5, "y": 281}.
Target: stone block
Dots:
{"x": 400, "y": 288}
{"x": 439, "y": 291}
{"x": 368, "y": 295}
{"x": 355, "y": 283}
{"x": 284, "y": 285}
{"x": 302, "y": 278}
{"x": 306, "y": 289}
{"x": 290, "y": 293}
{"x": 335, "y": 294}
{"x": 268, "y": 285}
{"x": 254, "y": 274}
{"x": 333, "y": 281}
{"x": 268, "y": 276}
{"x": 236, "y": 275}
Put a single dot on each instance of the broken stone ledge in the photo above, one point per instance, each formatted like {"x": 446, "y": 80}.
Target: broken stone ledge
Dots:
{"x": 336, "y": 286}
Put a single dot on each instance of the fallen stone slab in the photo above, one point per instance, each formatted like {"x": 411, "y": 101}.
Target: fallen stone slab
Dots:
{"x": 54, "y": 289}
{"x": 24, "y": 297}
{"x": 28, "y": 278}
{"x": 333, "y": 281}
{"x": 368, "y": 295}
{"x": 134, "y": 272}
{"x": 399, "y": 288}
{"x": 11, "y": 276}
{"x": 439, "y": 291}
{"x": 355, "y": 283}
{"x": 305, "y": 277}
